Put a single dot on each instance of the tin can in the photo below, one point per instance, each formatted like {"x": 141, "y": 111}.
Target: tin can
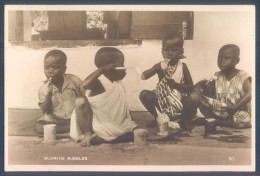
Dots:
{"x": 210, "y": 127}
{"x": 163, "y": 128}
{"x": 49, "y": 132}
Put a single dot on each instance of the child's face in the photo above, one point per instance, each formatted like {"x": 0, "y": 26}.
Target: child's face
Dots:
{"x": 171, "y": 50}
{"x": 227, "y": 59}
{"x": 54, "y": 67}
{"x": 114, "y": 74}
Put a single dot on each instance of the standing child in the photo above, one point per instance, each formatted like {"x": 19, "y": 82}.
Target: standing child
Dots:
{"x": 175, "y": 82}
{"x": 227, "y": 97}
{"x": 57, "y": 95}
{"x": 109, "y": 118}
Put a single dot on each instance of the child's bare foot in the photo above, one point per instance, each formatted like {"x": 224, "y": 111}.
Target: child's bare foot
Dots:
{"x": 86, "y": 141}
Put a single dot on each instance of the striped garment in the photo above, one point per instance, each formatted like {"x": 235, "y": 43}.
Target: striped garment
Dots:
{"x": 170, "y": 99}
{"x": 216, "y": 106}
{"x": 242, "y": 119}
{"x": 228, "y": 93}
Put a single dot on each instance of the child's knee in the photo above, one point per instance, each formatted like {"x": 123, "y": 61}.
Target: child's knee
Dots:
{"x": 242, "y": 119}
{"x": 80, "y": 102}
{"x": 38, "y": 128}
{"x": 83, "y": 108}
{"x": 144, "y": 95}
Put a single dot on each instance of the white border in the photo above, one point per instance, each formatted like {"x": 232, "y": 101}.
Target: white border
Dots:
{"x": 222, "y": 8}
{"x": 131, "y": 168}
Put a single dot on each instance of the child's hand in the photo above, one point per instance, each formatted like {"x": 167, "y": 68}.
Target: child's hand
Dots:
{"x": 108, "y": 67}
{"x": 46, "y": 90}
{"x": 171, "y": 83}
{"x": 197, "y": 90}
{"x": 203, "y": 84}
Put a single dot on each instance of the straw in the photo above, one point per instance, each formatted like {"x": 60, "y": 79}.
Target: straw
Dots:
{"x": 49, "y": 81}
{"x": 137, "y": 69}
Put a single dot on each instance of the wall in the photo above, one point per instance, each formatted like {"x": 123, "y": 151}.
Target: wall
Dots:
{"x": 24, "y": 66}
{"x": 12, "y": 26}
{"x": 213, "y": 30}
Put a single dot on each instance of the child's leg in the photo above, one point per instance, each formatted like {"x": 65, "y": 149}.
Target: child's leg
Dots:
{"x": 63, "y": 127}
{"x": 242, "y": 119}
{"x": 195, "y": 99}
{"x": 188, "y": 112}
{"x": 149, "y": 100}
{"x": 84, "y": 115}
{"x": 38, "y": 128}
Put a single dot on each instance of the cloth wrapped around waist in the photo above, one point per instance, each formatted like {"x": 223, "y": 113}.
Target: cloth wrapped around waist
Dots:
{"x": 111, "y": 117}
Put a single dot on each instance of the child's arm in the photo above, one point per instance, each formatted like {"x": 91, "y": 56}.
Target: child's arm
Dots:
{"x": 244, "y": 100}
{"x": 91, "y": 81}
{"x": 208, "y": 88}
{"x": 188, "y": 83}
{"x": 151, "y": 72}
{"x": 45, "y": 104}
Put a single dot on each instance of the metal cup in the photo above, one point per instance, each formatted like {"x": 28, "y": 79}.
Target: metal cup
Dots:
{"x": 49, "y": 132}
{"x": 210, "y": 127}
{"x": 163, "y": 128}
{"x": 140, "y": 137}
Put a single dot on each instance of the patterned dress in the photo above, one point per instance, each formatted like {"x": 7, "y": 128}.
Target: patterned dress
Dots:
{"x": 170, "y": 99}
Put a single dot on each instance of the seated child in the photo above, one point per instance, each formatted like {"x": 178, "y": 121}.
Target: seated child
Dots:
{"x": 175, "y": 82}
{"x": 58, "y": 93}
{"x": 108, "y": 117}
{"x": 227, "y": 97}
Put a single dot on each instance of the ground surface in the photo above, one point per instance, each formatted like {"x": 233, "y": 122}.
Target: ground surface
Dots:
{"x": 227, "y": 147}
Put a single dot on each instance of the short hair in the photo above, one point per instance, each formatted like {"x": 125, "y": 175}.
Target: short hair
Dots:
{"x": 178, "y": 36}
{"x": 107, "y": 55}
{"x": 57, "y": 53}
{"x": 234, "y": 47}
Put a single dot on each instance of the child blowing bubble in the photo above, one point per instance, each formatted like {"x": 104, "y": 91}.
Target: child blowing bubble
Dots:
{"x": 57, "y": 95}
{"x": 227, "y": 98}
{"x": 109, "y": 117}
{"x": 175, "y": 83}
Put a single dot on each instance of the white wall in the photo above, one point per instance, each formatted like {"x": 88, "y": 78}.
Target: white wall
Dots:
{"x": 24, "y": 66}
{"x": 212, "y": 31}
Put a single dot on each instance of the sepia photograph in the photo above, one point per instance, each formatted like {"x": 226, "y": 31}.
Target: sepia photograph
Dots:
{"x": 167, "y": 88}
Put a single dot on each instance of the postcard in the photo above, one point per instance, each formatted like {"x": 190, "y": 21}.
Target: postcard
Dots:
{"x": 168, "y": 88}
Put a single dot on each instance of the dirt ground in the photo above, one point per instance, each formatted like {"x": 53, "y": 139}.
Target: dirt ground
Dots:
{"x": 226, "y": 147}
{"x": 181, "y": 149}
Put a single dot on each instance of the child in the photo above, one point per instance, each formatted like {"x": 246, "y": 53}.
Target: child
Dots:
{"x": 227, "y": 98}
{"x": 57, "y": 95}
{"x": 109, "y": 118}
{"x": 175, "y": 82}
